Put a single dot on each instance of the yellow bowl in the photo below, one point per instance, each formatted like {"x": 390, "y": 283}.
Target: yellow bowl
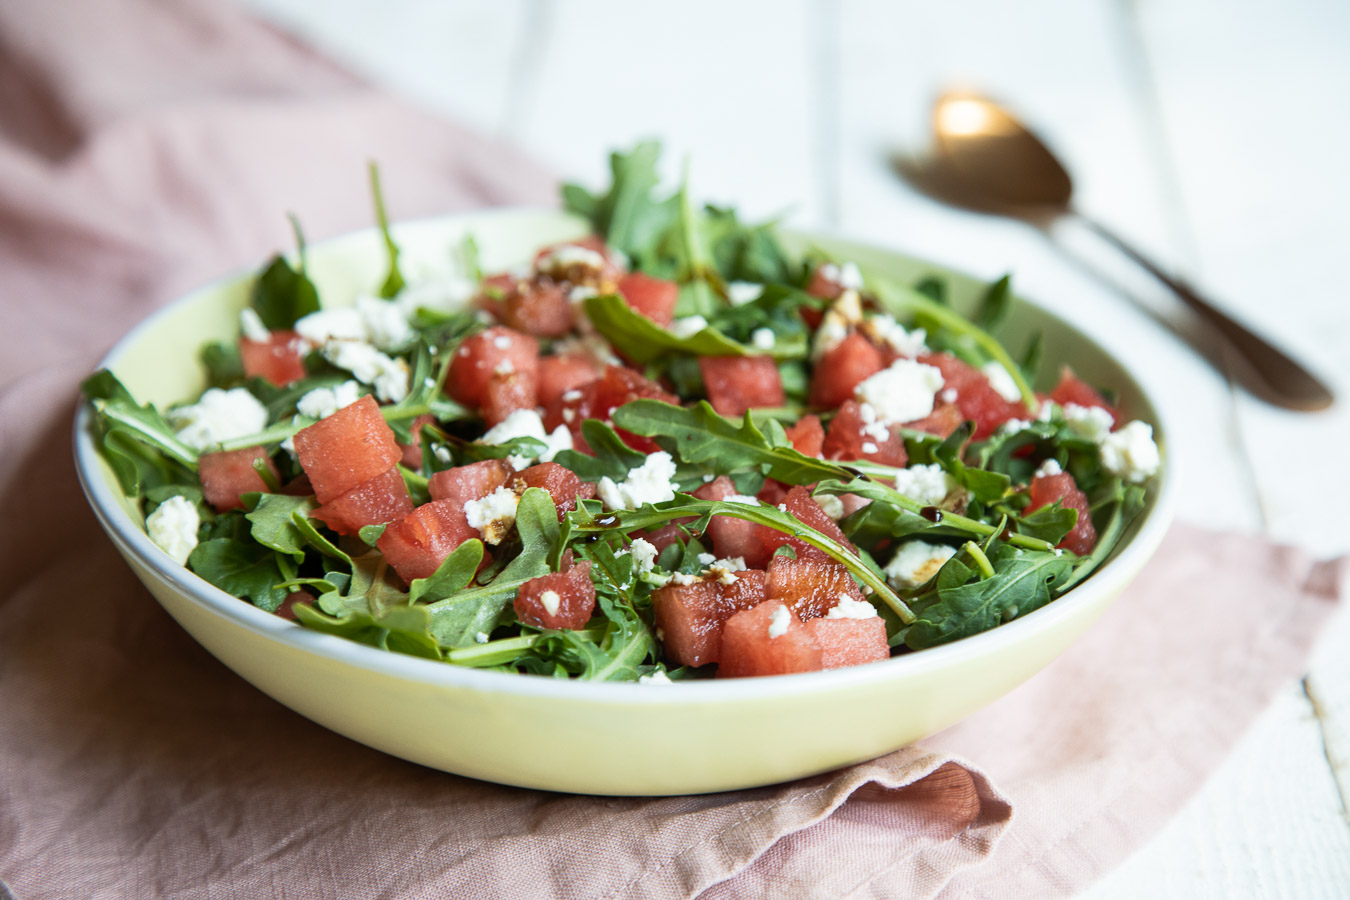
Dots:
{"x": 597, "y": 738}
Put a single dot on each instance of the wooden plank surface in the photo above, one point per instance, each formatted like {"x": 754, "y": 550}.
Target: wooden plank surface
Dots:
{"x": 1179, "y": 120}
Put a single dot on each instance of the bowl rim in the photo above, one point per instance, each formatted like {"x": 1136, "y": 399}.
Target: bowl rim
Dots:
{"x": 103, "y": 498}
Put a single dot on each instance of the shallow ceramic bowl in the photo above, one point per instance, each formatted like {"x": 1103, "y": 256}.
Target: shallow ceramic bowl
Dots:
{"x": 605, "y": 738}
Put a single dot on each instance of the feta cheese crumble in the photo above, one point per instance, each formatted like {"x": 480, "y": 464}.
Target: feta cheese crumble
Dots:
{"x": 915, "y": 563}
{"x": 1131, "y": 453}
{"x": 493, "y": 515}
{"x": 741, "y": 498}
{"x": 386, "y": 325}
{"x": 846, "y": 275}
{"x": 842, "y": 315}
{"x": 740, "y": 293}
{"x": 173, "y": 527}
{"x": 848, "y": 608}
{"x": 657, "y": 677}
{"x": 527, "y": 423}
{"x": 550, "y": 601}
{"x": 370, "y": 366}
{"x": 927, "y": 484}
{"x": 321, "y": 403}
{"x": 480, "y": 637}
{"x": 884, "y": 329}
{"x": 1090, "y": 422}
{"x": 644, "y": 555}
{"x": 763, "y": 339}
{"x": 832, "y": 505}
{"x": 651, "y": 482}
{"x": 779, "y": 620}
{"x": 688, "y": 326}
{"x": 1001, "y": 380}
{"x": 563, "y": 260}
{"x": 1048, "y": 468}
{"x": 218, "y": 416}
{"x": 440, "y": 293}
{"x": 724, "y": 571}
{"x": 251, "y": 325}
{"x": 901, "y": 393}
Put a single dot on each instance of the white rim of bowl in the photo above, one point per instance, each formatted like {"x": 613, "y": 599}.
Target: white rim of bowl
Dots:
{"x": 107, "y": 507}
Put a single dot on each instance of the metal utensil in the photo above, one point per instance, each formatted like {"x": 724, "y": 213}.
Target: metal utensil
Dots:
{"x": 985, "y": 159}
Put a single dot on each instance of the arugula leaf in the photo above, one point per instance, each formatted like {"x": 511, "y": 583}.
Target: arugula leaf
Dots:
{"x": 137, "y": 442}
{"x": 454, "y": 573}
{"x": 393, "y": 282}
{"x": 628, "y": 217}
{"x": 1023, "y": 581}
{"x": 243, "y": 569}
{"x": 273, "y": 523}
{"x": 224, "y": 367}
{"x": 642, "y": 340}
{"x": 995, "y": 305}
{"x": 281, "y": 295}
{"x": 612, "y": 457}
{"x": 747, "y": 252}
{"x": 455, "y": 620}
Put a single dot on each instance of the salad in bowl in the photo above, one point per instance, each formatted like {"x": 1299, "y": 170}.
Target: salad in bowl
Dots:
{"x": 676, "y": 448}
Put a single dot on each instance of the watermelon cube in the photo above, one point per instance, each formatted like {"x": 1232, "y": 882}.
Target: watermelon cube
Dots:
{"x": 382, "y": 499}
{"x": 731, "y": 537}
{"x": 842, "y": 368}
{"x": 562, "y": 484}
{"x": 1046, "y": 489}
{"x": 567, "y": 372}
{"x": 280, "y": 359}
{"x": 690, "y": 616}
{"x": 807, "y": 436}
{"x": 852, "y": 437}
{"x": 348, "y": 448}
{"x": 494, "y": 351}
{"x": 652, "y": 297}
{"x": 507, "y": 392}
{"x": 976, "y": 397}
{"x": 538, "y": 307}
{"x": 810, "y": 586}
{"x": 1072, "y": 389}
{"x": 797, "y": 501}
{"x": 561, "y": 600}
{"x": 849, "y": 642}
{"x": 412, "y": 453}
{"x": 418, "y": 543}
{"x": 475, "y": 481}
{"x": 768, "y": 639}
{"x": 229, "y": 473}
{"x": 738, "y": 383}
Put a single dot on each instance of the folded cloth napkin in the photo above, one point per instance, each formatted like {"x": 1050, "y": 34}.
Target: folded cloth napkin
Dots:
{"x": 146, "y": 147}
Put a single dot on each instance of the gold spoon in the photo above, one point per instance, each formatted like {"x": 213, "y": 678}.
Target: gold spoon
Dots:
{"x": 986, "y": 159}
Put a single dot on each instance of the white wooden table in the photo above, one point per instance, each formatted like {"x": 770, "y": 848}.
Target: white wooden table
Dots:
{"x": 1212, "y": 133}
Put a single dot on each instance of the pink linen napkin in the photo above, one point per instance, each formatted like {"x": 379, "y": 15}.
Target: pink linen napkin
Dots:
{"x": 146, "y": 147}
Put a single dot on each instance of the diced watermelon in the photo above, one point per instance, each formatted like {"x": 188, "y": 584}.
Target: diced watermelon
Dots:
{"x": 496, "y": 350}
{"x": 495, "y": 289}
{"x": 666, "y": 535}
{"x": 842, "y": 368}
{"x": 797, "y": 501}
{"x": 810, "y": 586}
{"x": 475, "y": 481}
{"x": 690, "y": 616}
{"x": 822, "y": 285}
{"x": 748, "y": 650}
{"x": 1072, "y": 389}
{"x": 348, "y": 448}
{"x": 1046, "y": 489}
{"x": 229, "y": 473}
{"x": 419, "y": 542}
{"x": 849, "y": 642}
{"x": 506, "y": 393}
{"x": 652, "y": 297}
{"x": 772, "y": 493}
{"x": 975, "y": 396}
{"x": 538, "y": 307}
{"x": 573, "y": 593}
{"x": 738, "y": 383}
{"x": 280, "y": 359}
{"x": 731, "y": 537}
{"x": 807, "y": 436}
{"x": 562, "y": 484}
{"x": 599, "y": 399}
{"x": 412, "y": 453}
{"x": 560, "y": 374}
{"x": 942, "y": 421}
{"x": 382, "y": 499}
{"x": 847, "y": 440}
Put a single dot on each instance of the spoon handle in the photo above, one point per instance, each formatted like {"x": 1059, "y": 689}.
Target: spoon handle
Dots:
{"x": 1275, "y": 376}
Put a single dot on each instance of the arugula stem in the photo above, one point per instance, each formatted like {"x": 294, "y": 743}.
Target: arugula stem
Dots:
{"x": 903, "y": 298}
{"x": 506, "y": 650}
{"x": 981, "y": 561}
{"x": 167, "y": 444}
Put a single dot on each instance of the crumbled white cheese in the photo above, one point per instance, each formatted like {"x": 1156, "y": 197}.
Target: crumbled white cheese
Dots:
{"x": 251, "y": 325}
{"x": 884, "y": 329}
{"x": 1048, "y": 468}
{"x": 321, "y": 403}
{"x": 644, "y": 555}
{"x": 218, "y": 416}
{"x": 559, "y": 439}
{"x": 442, "y": 454}
{"x": 505, "y": 367}
{"x": 915, "y": 563}
{"x": 550, "y": 601}
{"x": 1131, "y": 453}
{"x": 527, "y": 423}
{"x": 1046, "y": 412}
{"x": 741, "y": 498}
{"x": 387, "y": 375}
{"x": 581, "y": 293}
{"x": 872, "y": 425}
{"x": 949, "y": 395}
{"x": 779, "y": 620}
{"x": 481, "y": 637}
{"x": 833, "y": 506}
{"x": 902, "y": 392}
{"x": 869, "y": 447}
{"x": 385, "y": 322}
{"x": 501, "y": 342}
{"x": 1091, "y": 422}
{"x": 1012, "y": 426}
{"x": 740, "y": 293}
{"x": 651, "y": 482}
{"x": 846, "y": 275}
{"x": 173, "y": 527}
{"x": 493, "y": 515}
{"x": 342, "y": 323}
{"x": 724, "y": 571}
{"x": 928, "y": 484}
{"x": 763, "y": 338}
{"x": 688, "y": 326}
{"x": 848, "y": 608}
{"x": 563, "y": 258}
{"x": 657, "y": 677}
{"x": 1001, "y": 381}
{"x": 684, "y": 578}
{"x": 443, "y": 293}
{"x": 706, "y": 559}
{"x": 842, "y": 315}
{"x": 592, "y": 345}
